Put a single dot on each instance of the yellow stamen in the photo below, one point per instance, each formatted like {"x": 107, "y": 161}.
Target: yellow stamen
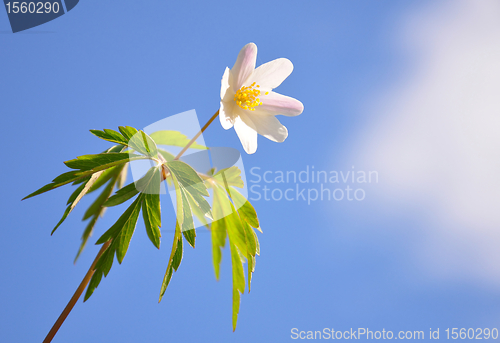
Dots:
{"x": 247, "y": 97}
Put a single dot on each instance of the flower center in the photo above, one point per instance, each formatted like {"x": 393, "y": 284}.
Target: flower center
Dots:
{"x": 247, "y": 97}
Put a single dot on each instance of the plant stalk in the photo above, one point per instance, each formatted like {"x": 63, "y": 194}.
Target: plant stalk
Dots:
{"x": 197, "y": 135}
{"x": 75, "y": 296}
{"x": 91, "y": 270}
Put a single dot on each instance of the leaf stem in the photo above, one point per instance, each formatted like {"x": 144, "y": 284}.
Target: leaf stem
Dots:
{"x": 75, "y": 296}
{"x": 197, "y": 135}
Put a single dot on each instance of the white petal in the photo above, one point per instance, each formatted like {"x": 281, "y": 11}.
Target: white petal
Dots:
{"x": 246, "y": 134}
{"x": 244, "y": 66}
{"x": 275, "y": 103}
{"x": 224, "y": 83}
{"x": 226, "y": 114}
{"x": 269, "y": 127}
{"x": 271, "y": 74}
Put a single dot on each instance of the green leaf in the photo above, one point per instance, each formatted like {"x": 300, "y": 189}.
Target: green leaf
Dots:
{"x": 110, "y": 135}
{"x": 197, "y": 203}
{"x": 97, "y": 205}
{"x": 122, "y": 195}
{"x": 166, "y": 155}
{"x": 75, "y": 194}
{"x": 65, "y": 215}
{"x": 101, "y": 161}
{"x": 76, "y": 197}
{"x": 252, "y": 250}
{"x": 127, "y": 131}
{"x": 142, "y": 143}
{"x": 187, "y": 177}
{"x": 107, "y": 259}
{"x": 238, "y": 281}
{"x": 115, "y": 230}
{"x": 245, "y": 208}
{"x": 152, "y": 230}
{"x": 218, "y": 232}
{"x": 176, "y": 261}
{"x": 250, "y": 270}
{"x": 96, "y": 209}
{"x": 105, "y": 177}
{"x": 85, "y": 236}
{"x": 251, "y": 239}
{"x": 184, "y": 215}
{"x": 173, "y": 138}
{"x": 59, "y": 181}
{"x": 94, "y": 282}
{"x": 190, "y": 189}
{"x": 229, "y": 177}
{"x": 127, "y": 231}
{"x": 173, "y": 262}
{"x": 198, "y": 212}
{"x": 218, "y": 228}
{"x": 236, "y": 232}
{"x": 74, "y": 175}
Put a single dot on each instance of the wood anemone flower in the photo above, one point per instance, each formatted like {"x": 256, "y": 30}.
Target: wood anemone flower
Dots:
{"x": 248, "y": 102}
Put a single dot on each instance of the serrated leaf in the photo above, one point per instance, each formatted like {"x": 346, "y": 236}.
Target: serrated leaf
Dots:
{"x": 187, "y": 177}
{"x": 198, "y": 204}
{"x": 198, "y": 213}
{"x": 221, "y": 208}
{"x": 250, "y": 238}
{"x": 184, "y": 214}
{"x": 127, "y": 131}
{"x": 218, "y": 232}
{"x": 173, "y": 138}
{"x": 238, "y": 281}
{"x": 245, "y": 208}
{"x": 142, "y": 143}
{"x": 229, "y": 177}
{"x": 116, "y": 136}
{"x": 250, "y": 270}
{"x": 189, "y": 188}
{"x": 236, "y": 232}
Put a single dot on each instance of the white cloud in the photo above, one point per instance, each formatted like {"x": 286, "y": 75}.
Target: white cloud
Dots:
{"x": 435, "y": 137}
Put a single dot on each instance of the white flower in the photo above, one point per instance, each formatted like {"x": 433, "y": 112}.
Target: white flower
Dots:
{"x": 248, "y": 102}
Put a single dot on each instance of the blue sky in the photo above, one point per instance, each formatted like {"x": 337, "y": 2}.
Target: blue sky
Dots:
{"x": 407, "y": 89}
